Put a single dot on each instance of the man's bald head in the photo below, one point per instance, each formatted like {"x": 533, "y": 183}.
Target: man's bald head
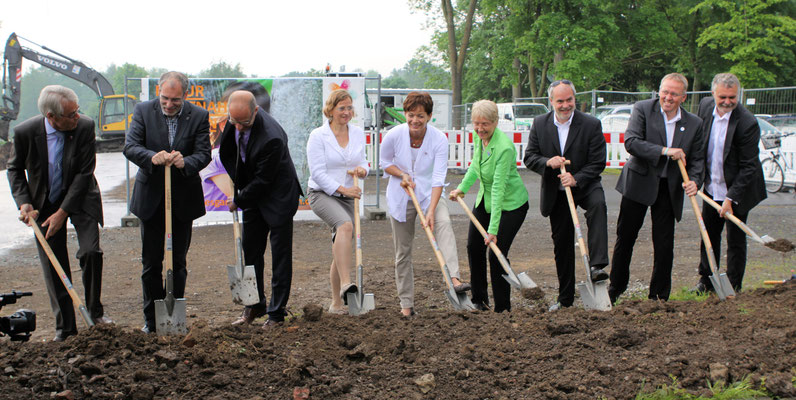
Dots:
{"x": 242, "y": 108}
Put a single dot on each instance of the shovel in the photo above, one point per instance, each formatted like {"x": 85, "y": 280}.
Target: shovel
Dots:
{"x": 242, "y": 279}
{"x": 759, "y": 239}
{"x": 460, "y": 301}
{"x": 594, "y": 295}
{"x": 169, "y": 312}
{"x": 521, "y": 281}
{"x": 61, "y": 274}
{"x": 358, "y": 302}
{"x": 720, "y": 282}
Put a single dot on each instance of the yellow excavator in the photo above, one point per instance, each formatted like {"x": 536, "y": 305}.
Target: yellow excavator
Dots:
{"x": 111, "y": 107}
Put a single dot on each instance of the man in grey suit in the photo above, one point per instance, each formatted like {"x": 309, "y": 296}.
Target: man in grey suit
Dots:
{"x": 733, "y": 175}
{"x": 660, "y": 132}
{"x": 52, "y": 171}
{"x": 566, "y": 134}
{"x": 167, "y": 132}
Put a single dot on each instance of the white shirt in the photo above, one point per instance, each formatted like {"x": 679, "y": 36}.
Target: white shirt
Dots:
{"x": 717, "y": 186}
{"x": 563, "y": 130}
{"x": 329, "y": 163}
{"x": 428, "y": 171}
{"x": 670, "y": 125}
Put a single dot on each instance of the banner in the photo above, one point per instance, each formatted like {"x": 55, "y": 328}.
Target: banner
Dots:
{"x": 296, "y": 103}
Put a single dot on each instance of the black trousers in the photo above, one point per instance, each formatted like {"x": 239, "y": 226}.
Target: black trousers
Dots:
{"x": 736, "y": 246}
{"x": 631, "y": 218}
{"x": 510, "y": 223}
{"x": 564, "y": 239}
{"x": 153, "y": 233}
{"x": 255, "y": 239}
{"x": 89, "y": 255}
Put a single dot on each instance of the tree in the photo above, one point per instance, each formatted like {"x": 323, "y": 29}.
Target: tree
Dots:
{"x": 455, "y": 19}
{"x": 755, "y": 38}
{"x": 222, "y": 69}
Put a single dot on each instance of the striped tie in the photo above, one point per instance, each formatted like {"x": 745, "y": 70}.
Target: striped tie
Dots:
{"x": 57, "y": 183}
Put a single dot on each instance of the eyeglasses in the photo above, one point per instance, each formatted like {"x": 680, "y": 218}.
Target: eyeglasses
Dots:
{"x": 560, "y": 81}
{"x": 72, "y": 114}
{"x": 664, "y": 93}
{"x": 345, "y": 108}
{"x": 245, "y": 124}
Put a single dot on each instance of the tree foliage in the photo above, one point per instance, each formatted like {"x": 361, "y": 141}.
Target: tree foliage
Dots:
{"x": 222, "y": 69}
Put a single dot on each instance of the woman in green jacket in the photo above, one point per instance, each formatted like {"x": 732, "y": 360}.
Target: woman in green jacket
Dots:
{"x": 501, "y": 204}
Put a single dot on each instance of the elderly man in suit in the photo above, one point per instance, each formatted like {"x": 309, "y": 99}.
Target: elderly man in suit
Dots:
{"x": 566, "y": 134}
{"x": 52, "y": 171}
{"x": 254, "y": 151}
{"x": 167, "y": 132}
{"x": 733, "y": 174}
{"x": 660, "y": 132}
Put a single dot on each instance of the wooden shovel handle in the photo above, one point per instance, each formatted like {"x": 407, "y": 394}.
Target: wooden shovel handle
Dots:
{"x": 429, "y": 234}
{"x": 357, "y": 228}
{"x": 167, "y": 200}
{"x": 701, "y": 223}
{"x": 485, "y": 234}
{"x": 731, "y": 217}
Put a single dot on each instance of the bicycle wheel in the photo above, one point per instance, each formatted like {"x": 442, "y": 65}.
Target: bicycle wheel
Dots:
{"x": 773, "y": 174}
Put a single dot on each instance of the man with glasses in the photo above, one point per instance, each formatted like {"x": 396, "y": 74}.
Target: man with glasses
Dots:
{"x": 566, "y": 134}
{"x": 167, "y": 132}
{"x": 254, "y": 151}
{"x": 659, "y": 134}
{"x": 52, "y": 172}
{"x": 733, "y": 175}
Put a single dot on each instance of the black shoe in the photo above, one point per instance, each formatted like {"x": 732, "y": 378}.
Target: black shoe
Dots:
{"x": 349, "y": 288}
{"x": 59, "y": 338}
{"x": 272, "y": 324}
{"x": 702, "y": 288}
{"x": 598, "y": 274}
{"x": 479, "y": 306}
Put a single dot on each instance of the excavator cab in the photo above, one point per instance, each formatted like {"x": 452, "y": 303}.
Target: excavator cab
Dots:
{"x": 112, "y": 119}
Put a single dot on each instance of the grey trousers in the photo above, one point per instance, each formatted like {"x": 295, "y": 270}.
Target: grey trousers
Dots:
{"x": 403, "y": 233}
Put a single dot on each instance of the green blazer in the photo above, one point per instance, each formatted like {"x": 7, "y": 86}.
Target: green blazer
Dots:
{"x": 501, "y": 185}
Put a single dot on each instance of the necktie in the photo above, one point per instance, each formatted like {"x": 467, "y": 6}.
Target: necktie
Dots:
{"x": 242, "y": 142}
{"x": 57, "y": 183}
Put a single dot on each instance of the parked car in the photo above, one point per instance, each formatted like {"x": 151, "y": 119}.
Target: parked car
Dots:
{"x": 611, "y": 109}
{"x": 615, "y": 122}
{"x": 783, "y": 122}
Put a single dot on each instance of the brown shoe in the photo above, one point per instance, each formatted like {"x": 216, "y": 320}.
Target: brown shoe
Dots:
{"x": 271, "y": 324}
{"x": 249, "y": 315}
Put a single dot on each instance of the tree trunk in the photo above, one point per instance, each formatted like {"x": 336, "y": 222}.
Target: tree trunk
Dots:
{"x": 515, "y": 87}
{"x": 456, "y": 58}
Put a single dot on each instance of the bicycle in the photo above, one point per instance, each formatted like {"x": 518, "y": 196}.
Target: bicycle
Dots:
{"x": 773, "y": 170}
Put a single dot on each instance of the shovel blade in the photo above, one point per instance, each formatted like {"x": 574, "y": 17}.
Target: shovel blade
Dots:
{"x": 460, "y": 301}
{"x": 170, "y": 323}
{"x": 722, "y": 286}
{"x": 358, "y": 305}
{"x": 595, "y": 297}
{"x": 513, "y": 281}
{"x": 243, "y": 288}
{"x": 525, "y": 281}
{"x": 767, "y": 239}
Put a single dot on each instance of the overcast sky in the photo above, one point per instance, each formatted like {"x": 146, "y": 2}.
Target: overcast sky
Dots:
{"x": 268, "y": 38}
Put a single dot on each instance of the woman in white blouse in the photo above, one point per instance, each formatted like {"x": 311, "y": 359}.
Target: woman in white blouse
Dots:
{"x": 416, "y": 154}
{"x": 335, "y": 152}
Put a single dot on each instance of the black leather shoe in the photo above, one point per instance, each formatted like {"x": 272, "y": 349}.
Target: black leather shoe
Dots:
{"x": 349, "y": 288}
{"x": 249, "y": 315}
{"x": 701, "y": 288}
{"x": 480, "y": 306}
{"x": 598, "y": 274}
{"x": 271, "y": 324}
{"x": 58, "y": 338}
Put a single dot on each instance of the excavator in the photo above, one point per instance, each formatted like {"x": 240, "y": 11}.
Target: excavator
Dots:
{"x": 111, "y": 121}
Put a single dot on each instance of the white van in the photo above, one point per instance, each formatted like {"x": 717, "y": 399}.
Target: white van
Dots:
{"x": 519, "y": 116}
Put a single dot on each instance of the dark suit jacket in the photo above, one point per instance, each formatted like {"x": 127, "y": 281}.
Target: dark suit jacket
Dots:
{"x": 267, "y": 180}
{"x": 742, "y": 170}
{"x": 645, "y": 138}
{"x": 147, "y": 136}
{"x": 79, "y": 158}
{"x": 585, "y": 148}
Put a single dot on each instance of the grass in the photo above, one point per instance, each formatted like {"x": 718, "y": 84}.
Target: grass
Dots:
{"x": 736, "y": 390}
{"x": 686, "y": 294}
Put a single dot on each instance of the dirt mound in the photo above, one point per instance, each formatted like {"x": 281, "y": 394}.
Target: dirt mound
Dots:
{"x": 528, "y": 353}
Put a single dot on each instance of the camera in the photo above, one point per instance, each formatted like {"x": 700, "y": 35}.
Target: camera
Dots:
{"x": 20, "y": 324}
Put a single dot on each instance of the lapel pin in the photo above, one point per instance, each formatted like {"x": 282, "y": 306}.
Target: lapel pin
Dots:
{"x": 682, "y": 129}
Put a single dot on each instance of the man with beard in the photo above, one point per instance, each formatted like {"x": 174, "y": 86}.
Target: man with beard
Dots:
{"x": 733, "y": 175}
{"x": 167, "y": 132}
{"x": 659, "y": 134}
{"x": 567, "y": 134}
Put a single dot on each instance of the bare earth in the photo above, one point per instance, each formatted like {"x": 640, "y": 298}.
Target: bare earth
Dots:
{"x": 440, "y": 353}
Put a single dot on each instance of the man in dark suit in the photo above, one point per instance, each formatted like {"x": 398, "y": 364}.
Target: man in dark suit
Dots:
{"x": 254, "y": 151}
{"x": 567, "y": 134}
{"x": 167, "y": 132}
{"x": 733, "y": 174}
{"x": 56, "y": 150}
{"x": 660, "y": 132}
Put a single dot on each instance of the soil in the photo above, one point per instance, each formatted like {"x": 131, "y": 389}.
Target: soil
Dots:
{"x": 783, "y": 245}
{"x": 439, "y": 353}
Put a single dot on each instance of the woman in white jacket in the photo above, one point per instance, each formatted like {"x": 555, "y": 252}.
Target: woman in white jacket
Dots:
{"x": 335, "y": 152}
{"x": 416, "y": 154}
